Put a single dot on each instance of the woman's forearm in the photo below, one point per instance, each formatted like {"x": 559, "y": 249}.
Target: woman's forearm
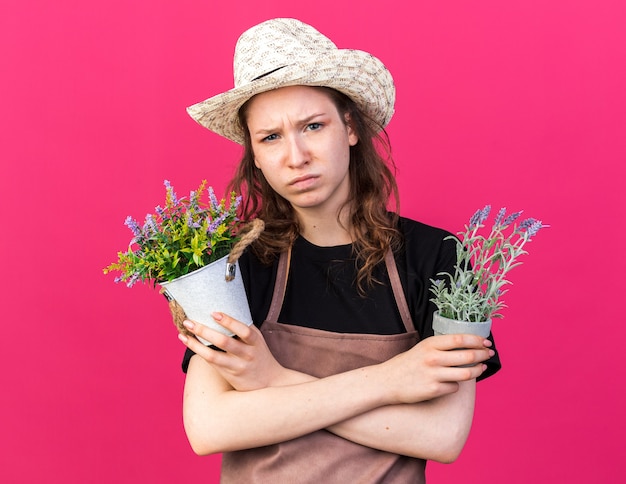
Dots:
{"x": 436, "y": 429}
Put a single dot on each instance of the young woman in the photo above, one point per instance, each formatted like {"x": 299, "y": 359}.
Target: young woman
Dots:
{"x": 339, "y": 379}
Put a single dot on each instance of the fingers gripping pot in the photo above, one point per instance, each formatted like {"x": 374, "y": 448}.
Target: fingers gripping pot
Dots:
{"x": 443, "y": 325}
{"x": 215, "y": 287}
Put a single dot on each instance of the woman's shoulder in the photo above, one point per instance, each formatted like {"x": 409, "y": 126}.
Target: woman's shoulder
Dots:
{"x": 425, "y": 248}
{"x": 413, "y": 230}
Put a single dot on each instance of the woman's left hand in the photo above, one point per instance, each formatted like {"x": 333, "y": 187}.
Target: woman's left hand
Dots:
{"x": 245, "y": 362}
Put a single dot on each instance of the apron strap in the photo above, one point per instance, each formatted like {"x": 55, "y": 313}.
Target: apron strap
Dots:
{"x": 280, "y": 286}
{"x": 396, "y": 286}
{"x": 398, "y": 292}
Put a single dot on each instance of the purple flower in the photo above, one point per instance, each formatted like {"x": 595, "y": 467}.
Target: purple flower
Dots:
{"x": 215, "y": 204}
{"x": 499, "y": 217}
{"x": 216, "y": 223}
{"x": 193, "y": 200}
{"x": 191, "y": 223}
{"x": 160, "y": 212}
{"x": 511, "y": 218}
{"x": 133, "y": 279}
{"x": 150, "y": 226}
{"x": 480, "y": 216}
{"x": 534, "y": 228}
{"x": 171, "y": 193}
{"x": 132, "y": 224}
{"x": 526, "y": 223}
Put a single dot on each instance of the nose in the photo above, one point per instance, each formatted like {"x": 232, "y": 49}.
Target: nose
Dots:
{"x": 299, "y": 154}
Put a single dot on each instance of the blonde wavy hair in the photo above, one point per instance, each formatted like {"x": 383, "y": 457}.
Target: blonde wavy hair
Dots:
{"x": 372, "y": 187}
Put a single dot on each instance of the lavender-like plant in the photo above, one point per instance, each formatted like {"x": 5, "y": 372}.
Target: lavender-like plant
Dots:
{"x": 181, "y": 237}
{"x": 473, "y": 292}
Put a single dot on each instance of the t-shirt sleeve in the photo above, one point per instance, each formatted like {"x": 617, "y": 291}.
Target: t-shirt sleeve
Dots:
{"x": 186, "y": 358}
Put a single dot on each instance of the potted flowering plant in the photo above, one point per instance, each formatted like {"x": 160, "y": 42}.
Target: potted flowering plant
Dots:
{"x": 469, "y": 299}
{"x": 190, "y": 248}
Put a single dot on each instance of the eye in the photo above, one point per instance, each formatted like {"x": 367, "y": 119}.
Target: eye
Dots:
{"x": 313, "y": 126}
{"x": 271, "y": 137}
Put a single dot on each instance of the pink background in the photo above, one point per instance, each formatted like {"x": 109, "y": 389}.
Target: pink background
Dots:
{"x": 516, "y": 104}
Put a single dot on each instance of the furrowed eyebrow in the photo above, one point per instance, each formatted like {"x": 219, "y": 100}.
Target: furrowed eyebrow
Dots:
{"x": 264, "y": 131}
{"x": 308, "y": 119}
{"x": 303, "y": 121}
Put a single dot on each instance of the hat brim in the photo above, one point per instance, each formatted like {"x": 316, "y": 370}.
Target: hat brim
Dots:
{"x": 357, "y": 74}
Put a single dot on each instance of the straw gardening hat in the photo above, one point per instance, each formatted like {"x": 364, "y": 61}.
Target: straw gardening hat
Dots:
{"x": 286, "y": 52}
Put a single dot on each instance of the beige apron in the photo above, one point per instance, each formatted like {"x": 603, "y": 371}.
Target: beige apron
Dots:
{"x": 322, "y": 457}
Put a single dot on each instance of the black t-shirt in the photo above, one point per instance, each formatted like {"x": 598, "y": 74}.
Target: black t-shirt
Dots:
{"x": 321, "y": 291}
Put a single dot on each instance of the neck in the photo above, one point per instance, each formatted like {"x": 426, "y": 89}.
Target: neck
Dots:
{"x": 324, "y": 230}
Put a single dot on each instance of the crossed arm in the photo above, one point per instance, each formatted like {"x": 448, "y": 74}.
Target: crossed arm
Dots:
{"x": 418, "y": 403}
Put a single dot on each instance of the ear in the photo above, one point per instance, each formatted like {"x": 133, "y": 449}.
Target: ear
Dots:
{"x": 353, "y": 139}
{"x": 256, "y": 163}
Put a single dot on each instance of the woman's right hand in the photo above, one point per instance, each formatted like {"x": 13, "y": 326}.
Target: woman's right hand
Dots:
{"x": 245, "y": 362}
{"x": 432, "y": 367}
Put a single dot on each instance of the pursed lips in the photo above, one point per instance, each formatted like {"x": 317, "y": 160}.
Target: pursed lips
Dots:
{"x": 302, "y": 180}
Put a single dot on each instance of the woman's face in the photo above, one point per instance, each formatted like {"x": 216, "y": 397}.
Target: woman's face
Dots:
{"x": 302, "y": 145}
